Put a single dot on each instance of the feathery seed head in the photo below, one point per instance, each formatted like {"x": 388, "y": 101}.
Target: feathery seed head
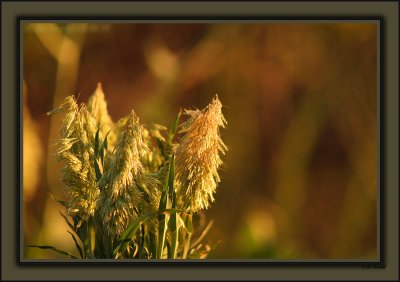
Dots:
{"x": 97, "y": 106}
{"x": 76, "y": 149}
{"x": 122, "y": 169}
{"x": 71, "y": 108}
{"x": 152, "y": 135}
{"x": 197, "y": 156}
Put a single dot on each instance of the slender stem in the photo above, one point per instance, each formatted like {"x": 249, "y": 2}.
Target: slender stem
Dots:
{"x": 175, "y": 236}
{"x": 187, "y": 244}
{"x": 188, "y": 237}
{"x": 161, "y": 238}
{"x": 141, "y": 240}
{"x": 203, "y": 234}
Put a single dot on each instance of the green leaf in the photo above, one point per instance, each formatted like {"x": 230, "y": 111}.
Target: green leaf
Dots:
{"x": 92, "y": 235}
{"x": 65, "y": 253}
{"x": 187, "y": 220}
{"x": 162, "y": 219}
{"x": 175, "y": 235}
{"x": 173, "y": 224}
{"x": 174, "y": 127}
{"x": 171, "y": 177}
{"x": 64, "y": 203}
{"x": 96, "y": 156}
{"x": 104, "y": 147}
{"x": 97, "y": 170}
{"x": 171, "y": 211}
{"x": 96, "y": 144}
{"x": 76, "y": 244}
{"x": 128, "y": 233}
{"x": 161, "y": 146}
{"x": 105, "y": 144}
{"x": 67, "y": 221}
{"x": 55, "y": 111}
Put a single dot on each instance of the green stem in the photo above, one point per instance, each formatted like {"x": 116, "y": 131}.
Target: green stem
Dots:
{"x": 187, "y": 245}
{"x": 161, "y": 236}
{"x": 174, "y": 243}
{"x": 188, "y": 237}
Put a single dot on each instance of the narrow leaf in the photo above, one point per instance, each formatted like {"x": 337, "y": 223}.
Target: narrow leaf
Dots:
{"x": 104, "y": 148}
{"x": 96, "y": 155}
{"x": 97, "y": 170}
{"x": 173, "y": 220}
{"x": 52, "y": 112}
{"x": 161, "y": 146}
{"x": 171, "y": 177}
{"x": 162, "y": 219}
{"x": 105, "y": 144}
{"x": 96, "y": 144}
{"x": 62, "y": 202}
{"x": 174, "y": 127}
{"x": 187, "y": 220}
{"x": 128, "y": 233}
{"x": 65, "y": 253}
{"x": 171, "y": 211}
{"x": 67, "y": 221}
{"x": 92, "y": 235}
{"x": 76, "y": 244}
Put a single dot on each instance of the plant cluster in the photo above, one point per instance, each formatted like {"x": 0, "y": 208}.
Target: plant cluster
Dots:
{"x": 133, "y": 190}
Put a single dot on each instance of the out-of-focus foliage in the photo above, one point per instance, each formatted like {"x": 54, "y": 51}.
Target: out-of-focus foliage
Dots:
{"x": 300, "y": 179}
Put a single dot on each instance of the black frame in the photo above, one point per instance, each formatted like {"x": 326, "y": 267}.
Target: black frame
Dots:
{"x": 209, "y": 262}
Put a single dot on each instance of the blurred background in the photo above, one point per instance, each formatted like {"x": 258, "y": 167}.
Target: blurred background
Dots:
{"x": 300, "y": 177}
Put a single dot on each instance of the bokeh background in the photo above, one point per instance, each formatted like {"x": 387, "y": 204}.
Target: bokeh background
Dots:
{"x": 300, "y": 177}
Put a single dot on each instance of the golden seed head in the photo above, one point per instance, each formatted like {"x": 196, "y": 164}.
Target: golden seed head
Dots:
{"x": 97, "y": 106}
{"x": 197, "y": 156}
{"x": 76, "y": 149}
{"x": 120, "y": 195}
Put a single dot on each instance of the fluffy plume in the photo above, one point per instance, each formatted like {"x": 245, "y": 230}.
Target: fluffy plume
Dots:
{"x": 76, "y": 149}
{"x": 116, "y": 173}
{"x": 120, "y": 195}
{"x": 153, "y": 159}
{"x": 197, "y": 156}
{"x": 97, "y": 106}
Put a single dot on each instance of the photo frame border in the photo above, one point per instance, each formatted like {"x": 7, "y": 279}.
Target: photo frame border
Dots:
{"x": 383, "y": 149}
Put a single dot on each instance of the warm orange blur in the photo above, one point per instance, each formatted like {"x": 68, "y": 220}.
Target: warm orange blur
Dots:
{"x": 300, "y": 176}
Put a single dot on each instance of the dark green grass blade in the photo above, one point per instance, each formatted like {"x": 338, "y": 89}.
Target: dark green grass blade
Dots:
{"x": 162, "y": 218}
{"x": 171, "y": 211}
{"x": 174, "y": 127}
{"x": 97, "y": 170}
{"x": 104, "y": 147}
{"x": 62, "y": 202}
{"x": 67, "y": 221}
{"x": 65, "y": 253}
{"x": 173, "y": 224}
{"x": 76, "y": 244}
{"x": 96, "y": 144}
{"x": 171, "y": 176}
{"x": 161, "y": 146}
{"x": 105, "y": 144}
{"x": 123, "y": 240}
{"x": 96, "y": 155}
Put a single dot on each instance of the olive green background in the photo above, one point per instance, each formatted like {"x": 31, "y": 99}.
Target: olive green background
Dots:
{"x": 10, "y": 98}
